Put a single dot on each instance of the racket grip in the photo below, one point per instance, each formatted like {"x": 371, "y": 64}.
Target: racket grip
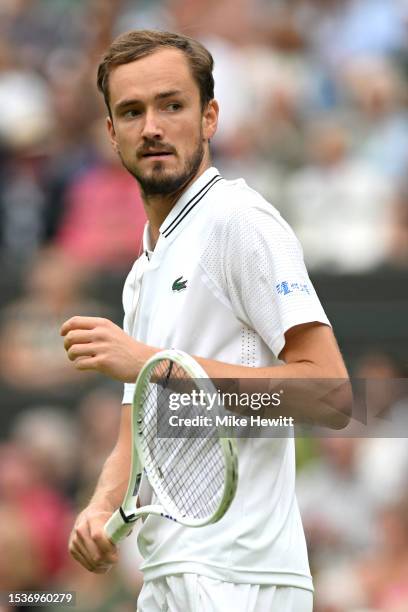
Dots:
{"x": 116, "y": 528}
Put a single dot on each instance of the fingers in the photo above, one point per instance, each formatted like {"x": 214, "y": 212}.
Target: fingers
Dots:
{"x": 96, "y": 549}
{"x": 81, "y": 345}
{"x": 97, "y": 344}
{"x": 84, "y": 560}
{"x": 86, "y": 341}
{"x": 79, "y": 351}
{"x": 87, "y": 363}
{"x": 97, "y": 567}
{"x": 106, "y": 547}
{"x": 78, "y": 337}
{"x": 90, "y": 546}
{"x": 75, "y": 323}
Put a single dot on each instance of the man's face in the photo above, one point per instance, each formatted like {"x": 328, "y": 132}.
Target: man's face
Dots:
{"x": 158, "y": 127}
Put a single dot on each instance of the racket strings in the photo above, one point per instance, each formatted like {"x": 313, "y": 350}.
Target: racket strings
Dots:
{"x": 194, "y": 486}
{"x": 187, "y": 474}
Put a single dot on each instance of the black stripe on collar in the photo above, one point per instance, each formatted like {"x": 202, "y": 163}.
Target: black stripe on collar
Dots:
{"x": 190, "y": 205}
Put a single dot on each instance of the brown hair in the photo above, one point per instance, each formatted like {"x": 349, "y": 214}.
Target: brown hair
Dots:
{"x": 136, "y": 44}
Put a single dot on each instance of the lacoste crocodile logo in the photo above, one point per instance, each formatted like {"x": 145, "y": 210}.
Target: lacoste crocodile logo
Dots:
{"x": 179, "y": 284}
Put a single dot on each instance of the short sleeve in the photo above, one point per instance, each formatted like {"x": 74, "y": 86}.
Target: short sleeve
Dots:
{"x": 267, "y": 281}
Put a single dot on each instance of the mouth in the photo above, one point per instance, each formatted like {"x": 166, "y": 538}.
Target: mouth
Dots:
{"x": 156, "y": 154}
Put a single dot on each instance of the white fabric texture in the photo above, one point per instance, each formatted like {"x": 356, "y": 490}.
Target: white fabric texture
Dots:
{"x": 193, "y": 593}
{"x": 246, "y": 286}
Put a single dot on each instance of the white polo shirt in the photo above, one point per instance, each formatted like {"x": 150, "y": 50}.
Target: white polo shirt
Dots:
{"x": 225, "y": 281}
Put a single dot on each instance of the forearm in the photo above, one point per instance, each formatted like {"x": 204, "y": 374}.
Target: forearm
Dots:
{"x": 305, "y": 392}
{"x": 113, "y": 481}
{"x": 313, "y": 378}
{"x": 89, "y": 543}
{"x": 112, "y": 484}
{"x": 217, "y": 369}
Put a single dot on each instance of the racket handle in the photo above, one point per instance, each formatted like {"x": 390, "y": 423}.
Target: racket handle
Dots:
{"x": 116, "y": 528}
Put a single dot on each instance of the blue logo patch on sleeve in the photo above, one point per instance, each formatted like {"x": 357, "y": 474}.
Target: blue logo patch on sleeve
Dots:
{"x": 285, "y": 287}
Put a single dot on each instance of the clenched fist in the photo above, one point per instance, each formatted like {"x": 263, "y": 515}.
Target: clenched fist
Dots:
{"x": 93, "y": 343}
{"x": 89, "y": 544}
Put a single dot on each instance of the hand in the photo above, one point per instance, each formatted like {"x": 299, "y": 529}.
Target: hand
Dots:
{"x": 93, "y": 343}
{"x": 88, "y": 543}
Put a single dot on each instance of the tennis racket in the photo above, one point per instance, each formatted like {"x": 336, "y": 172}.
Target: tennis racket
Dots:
{"x": 194, "y": 479}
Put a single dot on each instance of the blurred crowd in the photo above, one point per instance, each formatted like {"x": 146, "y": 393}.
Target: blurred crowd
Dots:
{"x": 314, "y": 115}
{"x": 313, "y": 98}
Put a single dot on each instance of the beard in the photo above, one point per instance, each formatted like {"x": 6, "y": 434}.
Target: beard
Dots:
{"x": 160, "y": 183}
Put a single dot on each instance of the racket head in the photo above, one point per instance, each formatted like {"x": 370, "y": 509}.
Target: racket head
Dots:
{"x": 194, "y": 479}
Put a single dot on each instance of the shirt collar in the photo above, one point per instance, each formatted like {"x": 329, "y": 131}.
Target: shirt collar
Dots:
{"x": 147, "y": 243}
{"x": 184, "y": 206}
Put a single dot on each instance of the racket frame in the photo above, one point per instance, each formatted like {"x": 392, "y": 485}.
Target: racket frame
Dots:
{"x": 122, "y": 520}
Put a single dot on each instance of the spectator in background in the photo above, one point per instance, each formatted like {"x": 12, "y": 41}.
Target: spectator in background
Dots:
{"x": 22, "y": 124}
{"x": 47, "y": 54}
{"x": 231, "y": 20}
{"x": 226, "y": 28}
{"x": 19, "y": 567}
{"x": 72, "y": 150}
{"x": 142, "y": 14}
{"x": 50, "y": 437}
{"x": 342, "y": 30}
{"x": 22, "y": 204}
{"x": 336, "y": 505}
{"x": 44, "y": 517}
{"x": 383, "y": 455}
{"x": 31, "y": 357}
{"x": 34, "y": 29}
{"x": 378, "y": 95}
{"x": 382, "y": 576}
{"x": 24, "y": 129}
{"x": 377, "y": 579}
{"x": 338, "y": 206}
{"x": 103, "y": 220}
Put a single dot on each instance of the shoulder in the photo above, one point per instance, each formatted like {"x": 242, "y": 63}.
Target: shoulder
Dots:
{"x": 236, "y": 207}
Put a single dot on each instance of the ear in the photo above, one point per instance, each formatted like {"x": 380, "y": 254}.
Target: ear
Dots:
{"x": 112, "y": 134}
{"x": 210, "y": 120}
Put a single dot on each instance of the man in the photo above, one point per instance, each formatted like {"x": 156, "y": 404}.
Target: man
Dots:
{"x": 221, "y": 277}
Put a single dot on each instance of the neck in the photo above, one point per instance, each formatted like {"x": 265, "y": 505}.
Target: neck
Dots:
{"x": 157, "y": 207}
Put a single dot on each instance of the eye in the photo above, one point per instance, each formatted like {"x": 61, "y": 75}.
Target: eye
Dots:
{"x": 173, "y": 107}
{"x": 131, "y": 113}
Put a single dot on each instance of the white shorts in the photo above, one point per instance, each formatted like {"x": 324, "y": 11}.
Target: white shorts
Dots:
{"x": 194, "y": 593}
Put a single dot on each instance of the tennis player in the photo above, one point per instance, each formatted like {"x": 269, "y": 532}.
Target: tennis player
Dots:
{"x": 221, "y": 277}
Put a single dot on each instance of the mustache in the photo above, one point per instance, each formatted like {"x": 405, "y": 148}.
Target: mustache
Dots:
{"x": 151, "y": 146}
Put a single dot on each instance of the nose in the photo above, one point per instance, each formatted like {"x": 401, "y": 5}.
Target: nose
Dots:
{"x": 152, "y": 129}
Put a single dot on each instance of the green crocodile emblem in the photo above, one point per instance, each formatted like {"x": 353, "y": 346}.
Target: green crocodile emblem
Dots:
{"x": 179, "y": 284}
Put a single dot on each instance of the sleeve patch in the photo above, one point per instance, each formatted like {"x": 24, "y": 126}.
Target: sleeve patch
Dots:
{"x": 287, "y": 287}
